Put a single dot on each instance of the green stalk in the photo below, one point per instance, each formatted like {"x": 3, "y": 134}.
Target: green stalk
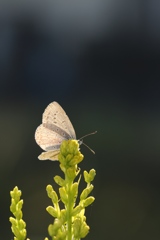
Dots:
{"x": 69, "y": 211}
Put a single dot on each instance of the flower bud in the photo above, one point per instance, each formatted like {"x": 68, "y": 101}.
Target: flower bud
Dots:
{"x": 88, "y": 177}
{"x": 88, "y": 201}
{"x": 77, "y": 210}
{"x": 52, "y": 211}
{"x": 60, "y": 181}
{"x": 86, "y": 192}
{"x": 63, "y": 195}
{"x": 52, "y": 194}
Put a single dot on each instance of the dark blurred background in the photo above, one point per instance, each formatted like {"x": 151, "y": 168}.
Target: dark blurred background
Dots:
{"x": 100, "y": 60}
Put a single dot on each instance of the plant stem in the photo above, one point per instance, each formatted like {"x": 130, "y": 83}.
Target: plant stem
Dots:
{"x": 69, "y": 210}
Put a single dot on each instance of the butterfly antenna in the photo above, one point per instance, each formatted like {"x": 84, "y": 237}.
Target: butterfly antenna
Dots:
{"x": 81, "y": 141}
{"x": 88, "y": 147}
{"x": 88, "y": 135}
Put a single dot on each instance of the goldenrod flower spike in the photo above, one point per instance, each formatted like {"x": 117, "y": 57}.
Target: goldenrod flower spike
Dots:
{"x": 18, "y": 226}
{"x": 70, "y": 223}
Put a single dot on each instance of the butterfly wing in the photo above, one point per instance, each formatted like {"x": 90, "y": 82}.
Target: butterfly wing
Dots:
{"x": 48, "y": 140}
{"x": 55, "y": 128}
{"x": 51, "y": 155}
{"x": 55, "y": 116}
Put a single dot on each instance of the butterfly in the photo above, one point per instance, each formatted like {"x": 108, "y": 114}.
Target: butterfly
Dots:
{"x": 55, "y": 128}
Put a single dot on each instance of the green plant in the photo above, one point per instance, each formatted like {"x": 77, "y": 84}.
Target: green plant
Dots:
{"x": 70, "y": 222}
{"x": 18, "y": 225}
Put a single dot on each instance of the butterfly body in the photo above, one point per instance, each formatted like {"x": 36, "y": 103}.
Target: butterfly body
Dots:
{"x": 55, "y": 128}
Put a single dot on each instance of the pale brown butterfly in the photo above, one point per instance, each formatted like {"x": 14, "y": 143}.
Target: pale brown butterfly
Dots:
{"x": 55, "y": 128}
